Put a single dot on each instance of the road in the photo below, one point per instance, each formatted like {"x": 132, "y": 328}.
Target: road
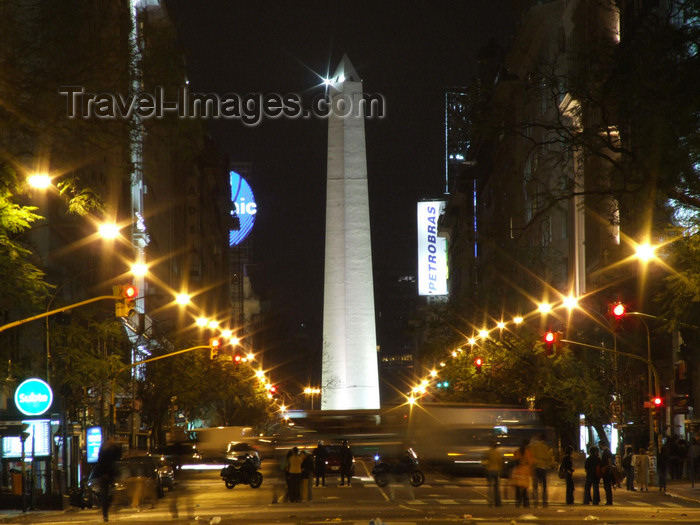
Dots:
{"x": 201, "y": 497}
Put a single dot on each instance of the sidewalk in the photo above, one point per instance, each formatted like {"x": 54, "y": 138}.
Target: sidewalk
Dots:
{"x": 682, "y": 489}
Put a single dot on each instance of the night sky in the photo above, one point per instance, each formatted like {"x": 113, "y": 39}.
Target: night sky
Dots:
{"x": 408, "y": 51}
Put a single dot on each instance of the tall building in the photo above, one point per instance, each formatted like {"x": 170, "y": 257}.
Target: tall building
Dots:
{"x": 349, "y": 372}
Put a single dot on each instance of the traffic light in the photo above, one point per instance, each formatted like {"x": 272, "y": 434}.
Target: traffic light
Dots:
{"x": 477, "y": 364}
{"x": 618, "y": 310}
{"x": 214, "y": 347}
{"x": 657, "y": 401}
{"x": 551, "y": 340}
{"x": 125, "y": 299}
{"x": 237, "y": 358}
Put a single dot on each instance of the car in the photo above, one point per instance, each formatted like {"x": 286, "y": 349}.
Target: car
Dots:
{"x": 156, "y": 473}
{"x": 239, "y": 451}
{"x": 333, "y": 459}
{"x": 179, "y": 454}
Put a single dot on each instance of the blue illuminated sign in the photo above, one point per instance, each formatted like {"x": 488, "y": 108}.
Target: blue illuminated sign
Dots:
{"x": 33, "y": 397}
{"x": 94, "y": 442}
{"x": 244, "y": 209}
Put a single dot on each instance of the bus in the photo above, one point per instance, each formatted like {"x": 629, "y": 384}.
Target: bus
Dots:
{"x": 454, "y": 436}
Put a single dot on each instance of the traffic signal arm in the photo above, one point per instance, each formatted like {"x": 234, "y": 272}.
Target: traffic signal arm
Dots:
{"x": 137, "y": 363}
{"x": 626, "y": 354}
{"x": 57, "y": 311}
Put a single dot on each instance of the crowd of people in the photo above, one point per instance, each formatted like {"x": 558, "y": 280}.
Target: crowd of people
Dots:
{"x": 302, "y": 467}
{"x": 527, "y": 471}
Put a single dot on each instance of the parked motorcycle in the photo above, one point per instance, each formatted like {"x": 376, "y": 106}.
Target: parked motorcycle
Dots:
{"x": 242, "y": 473}
{"x": 385, "y": 471}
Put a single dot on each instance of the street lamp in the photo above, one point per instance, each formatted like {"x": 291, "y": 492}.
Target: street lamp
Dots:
{"x": 40, "y": 181}
{"x": 312, "y": 391}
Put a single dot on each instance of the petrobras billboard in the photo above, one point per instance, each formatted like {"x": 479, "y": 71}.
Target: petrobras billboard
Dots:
{"x": 244, "y": 209}
{"x": 432, "y": 250}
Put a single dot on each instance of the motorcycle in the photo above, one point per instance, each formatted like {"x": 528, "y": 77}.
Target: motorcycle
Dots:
{"x": 242, "y": 473}
{"x": 407, "y": 467}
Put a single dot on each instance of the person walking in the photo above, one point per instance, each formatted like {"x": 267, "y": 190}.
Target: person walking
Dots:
{"x": 567, "y": 466}
{"x": 307, "y": 476}
{"x": 662, "y": 465}
{"x": 607, "y": 463}
{"x": 320, "y": 458}
{"x": 642, "y": 468}
{"x": 106, "y": 468}
{"x": 493, "y": 464}
{"x": 295, "y": 460}
{"x": 521, "y": 474}
{"x": 543, "y": 458}
{"x": 592, "y": 479}
{"x": 345, "y": 463}
{"x": 628, "y": 466}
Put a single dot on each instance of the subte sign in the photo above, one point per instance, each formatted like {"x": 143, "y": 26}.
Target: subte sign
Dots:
{"x": 33, "y": 397}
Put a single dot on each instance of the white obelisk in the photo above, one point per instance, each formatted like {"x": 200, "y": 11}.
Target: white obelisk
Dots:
{"x": 349, "y": 375}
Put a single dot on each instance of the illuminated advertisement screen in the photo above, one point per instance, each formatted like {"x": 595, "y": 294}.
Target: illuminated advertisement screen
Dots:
{"x": 39, "y": 439}
{"x": 94, "y": 442}
{"x": 244, "y": 209}
{"x": 432, "y": 250}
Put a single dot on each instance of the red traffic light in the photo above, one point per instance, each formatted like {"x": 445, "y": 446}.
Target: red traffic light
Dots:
{"x": 215, "y": 342}
{"x": 130, "y": 291}
{"x": 618, "y": 310}
{"x": 237, "y": 358}
{"x": 477, "y": 363}
{"x": 657, "y": 401}
{"x": 549, "y": 337}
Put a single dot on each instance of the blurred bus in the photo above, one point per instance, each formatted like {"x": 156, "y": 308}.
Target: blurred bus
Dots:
{"x": 454, "y": 436}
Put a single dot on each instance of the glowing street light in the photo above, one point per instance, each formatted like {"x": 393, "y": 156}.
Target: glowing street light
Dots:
{"x": 40, "y": 181}
{"x": 484, "y": 334}
{"x": 139, "y": 269}
{"x": 202, "y": 322}
{"x": 108, "y": 230}
{"x": 570, "y": 302}
{"x": 213, "y": 324}
{"x": 517, "y": 320}
{"x": 645, "y": 252}
{"x": 227, "y": 333}
{"x": 544, "y": 308}
{"x": 183, "y": 298}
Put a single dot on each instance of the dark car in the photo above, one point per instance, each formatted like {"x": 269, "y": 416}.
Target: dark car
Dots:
{"x": 179, "y": 454}
{"x": 157, "y": 473}
{"x": 334, "y": 454}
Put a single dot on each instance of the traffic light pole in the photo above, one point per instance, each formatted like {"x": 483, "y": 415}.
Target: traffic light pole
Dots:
{"x": 651, "y": 368}
{"x": 57, "y": 311}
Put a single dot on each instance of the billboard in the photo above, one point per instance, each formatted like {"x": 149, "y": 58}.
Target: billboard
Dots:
{"x": 38, "y": 444}
{"x": 244, "y": 209}
{"x": 432, "y": 250}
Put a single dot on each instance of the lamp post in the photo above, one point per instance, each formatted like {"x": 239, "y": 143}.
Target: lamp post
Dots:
{"x": 310, "y": 391}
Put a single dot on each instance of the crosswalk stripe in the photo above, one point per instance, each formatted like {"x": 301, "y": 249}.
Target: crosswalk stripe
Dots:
{"x": 641, "y": 504}
{"x": 416, "y": 502}
{"x": 447, "y": 502}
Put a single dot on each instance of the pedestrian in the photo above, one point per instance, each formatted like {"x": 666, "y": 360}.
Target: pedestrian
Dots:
{"x": 567, "y": 467}
{"x": 521, "y": 474}
{"x": 320, "y": 459}
{"x": 295, "y": 460}
{"x": 591, "y": 466}
{"x": 607, "y": 463}
{"x": 346, "y": 460}
{"x": 493, "y": 465}
{"x": 543, "y": 458}
{"x": 628, "y": 466}
{"x": 307, "y": 476}
{"x": 662, "y": 464}
{"x": 106, "y": 472}
{"x": 642, "y": 468}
